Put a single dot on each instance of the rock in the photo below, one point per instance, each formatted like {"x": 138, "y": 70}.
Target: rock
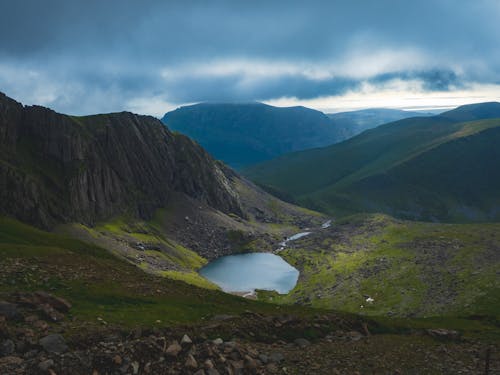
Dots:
{"x": 199, "y": 372}
{"x": 117, "y": 360}
{"x": 54, "y": 343}
{"x": 142, "y": 158}
{"x": 40, "y": 325}
{"x": 46, "y": 365}
{"x": 208, "y": 364}
{"x": 173, "y": 349}
{"x": 57, "y": 303}
{"x": 237, "y": 366}
{"x": 444, "y": 334}
{"x": 186, "y": 340}
{"x": 250, "y": 363}
{"x": 50, "y": 313}
{"x": 7, "y": 348}
{"x": 31, "y": 318}
{"x": 230, "y": 345}
{"x": 9, "y": 310}
{"x": 218, "y": 341}
{"x": 223, "y": 317}
{"x": 135, "y": 367}
{"x": 263, "y": 358}
{"x": 276, "y": 357}
{"x": 191, "y": 362}
{"x": 10, "y": 360}
{"x": 213, "y": 371}
{"x": 354, "y": 335}
{"x": 301, "y": 343}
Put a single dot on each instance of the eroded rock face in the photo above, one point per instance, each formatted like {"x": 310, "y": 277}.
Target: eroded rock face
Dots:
{"x": 57, "y": 168}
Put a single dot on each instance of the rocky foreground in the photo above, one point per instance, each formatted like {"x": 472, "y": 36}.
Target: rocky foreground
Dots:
{"x": 38, "y": 336}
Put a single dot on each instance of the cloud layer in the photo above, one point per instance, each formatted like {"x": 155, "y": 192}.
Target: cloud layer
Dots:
{"x": 98, "y": 56}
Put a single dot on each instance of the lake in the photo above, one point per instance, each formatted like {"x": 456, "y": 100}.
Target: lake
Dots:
{"x": 247, "y": 272}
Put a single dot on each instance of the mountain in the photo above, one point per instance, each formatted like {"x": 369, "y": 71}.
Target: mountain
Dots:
{"x": 127, "y": 212}
{"x": 120, "y": 179}
{"x": 248, "y": 133}
{"x": 359, "y": 121}
{"x": 244, "y": 134}
{"x": 435, "y": 168}
{"x": 58, "y": 168}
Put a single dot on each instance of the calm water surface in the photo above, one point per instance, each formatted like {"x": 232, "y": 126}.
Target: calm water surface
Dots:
{"x": 246, "y": 272}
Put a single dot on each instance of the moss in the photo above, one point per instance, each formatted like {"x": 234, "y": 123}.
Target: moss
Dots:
{"x": 192, "y": 278}
{"x": 408, "y": 268}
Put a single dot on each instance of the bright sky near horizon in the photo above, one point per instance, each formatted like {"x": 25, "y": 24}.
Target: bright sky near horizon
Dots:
{"x": 83, "y": 57}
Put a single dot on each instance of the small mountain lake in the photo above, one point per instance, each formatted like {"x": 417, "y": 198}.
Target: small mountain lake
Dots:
{"x": 247, "y": 272}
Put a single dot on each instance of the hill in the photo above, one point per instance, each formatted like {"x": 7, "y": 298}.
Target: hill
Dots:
{"x": 248, "y": 133}
{"x": 359, "y": 121}
{"x": 434, "y": 168}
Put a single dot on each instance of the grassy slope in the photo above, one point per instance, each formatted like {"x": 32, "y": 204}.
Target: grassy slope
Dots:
{"x": 408, "y": 268}
{"x": 99, "y": 284}
{"x": 107, "y": 290}
{"x": 340, "y": 178}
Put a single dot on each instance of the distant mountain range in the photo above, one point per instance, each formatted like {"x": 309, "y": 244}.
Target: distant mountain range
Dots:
{"x": 444, "y": 167}
{"x": 243, "y": 134}
{"x": 365, "y": 119}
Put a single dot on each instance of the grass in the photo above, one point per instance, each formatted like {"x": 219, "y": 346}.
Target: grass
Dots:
{"x": 419, "y": 168}
{"x": 100, "y": 285}
{"x": 149, "y": 234}
{"x": 409, "y": 269}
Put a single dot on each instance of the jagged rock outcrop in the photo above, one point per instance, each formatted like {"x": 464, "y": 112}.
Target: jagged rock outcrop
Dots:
{"x": 58, "y": 168}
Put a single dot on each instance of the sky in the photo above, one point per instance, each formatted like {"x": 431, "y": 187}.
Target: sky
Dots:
{"x": 151, "y": 56}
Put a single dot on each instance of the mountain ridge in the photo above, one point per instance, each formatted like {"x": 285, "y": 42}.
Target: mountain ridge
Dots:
{"x": 101, "y": 165}
{"x": 378, "y": 152}
{"x": 242, "y": 134}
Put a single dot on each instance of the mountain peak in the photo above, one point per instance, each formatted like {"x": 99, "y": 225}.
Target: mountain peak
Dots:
{"x": 471, "y": 112}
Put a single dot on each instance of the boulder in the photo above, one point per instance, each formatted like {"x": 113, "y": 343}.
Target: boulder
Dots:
{"x": 276, "y": 357}
{"x": 50, "y": 313}
{"x": 7, "y": 347}
{"x": 186, "y": 340}
{"x": 191, "y": 362}
{"x": 218, "y": 341}
{"x": 173, "y": 349}
{"x": 46, "y": 365}
{"x": 57, "y": 303}
{"x": 9, "y": 310}
{"x": 302, "y": 343}
{"x": 444, "y": 334}
{"x": 54, "y": 343}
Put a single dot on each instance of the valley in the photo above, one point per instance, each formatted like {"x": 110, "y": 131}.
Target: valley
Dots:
{"x": 249, "y": 187}
{"x": 417, "y": 169}
{"x": 95, "y": 257}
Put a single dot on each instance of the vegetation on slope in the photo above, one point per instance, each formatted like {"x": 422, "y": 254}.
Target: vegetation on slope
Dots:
{"x": 409, "y": 269}
{"x": 421, "y": 168}
{"x": 100, "y": 285}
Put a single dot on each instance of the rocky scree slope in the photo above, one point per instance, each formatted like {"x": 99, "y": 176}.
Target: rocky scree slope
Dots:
{"x": 58, "y": 168}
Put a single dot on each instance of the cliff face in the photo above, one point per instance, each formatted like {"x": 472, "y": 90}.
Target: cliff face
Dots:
{"x": 58, "y": 168}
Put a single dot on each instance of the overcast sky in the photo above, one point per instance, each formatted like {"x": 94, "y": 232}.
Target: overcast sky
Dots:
{"x": 149, "y": 56}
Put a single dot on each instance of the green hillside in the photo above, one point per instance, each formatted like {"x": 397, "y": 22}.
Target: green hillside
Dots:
{"x": 408, "y": 268}
{"x": 434, "y": 168}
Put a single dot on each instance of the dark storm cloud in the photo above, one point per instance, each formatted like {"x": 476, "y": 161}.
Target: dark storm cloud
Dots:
{"x": 115, "y": 52}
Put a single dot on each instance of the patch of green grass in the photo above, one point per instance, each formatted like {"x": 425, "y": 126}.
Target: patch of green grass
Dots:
{"x": 100, "y": 285}
{"x": 417, "y": 168}
{"x": 192, "y": 278}
{"x": 409, "y": 269}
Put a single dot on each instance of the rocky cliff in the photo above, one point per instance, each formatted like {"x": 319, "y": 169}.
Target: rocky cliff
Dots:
{"x": 58, "y": 168}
